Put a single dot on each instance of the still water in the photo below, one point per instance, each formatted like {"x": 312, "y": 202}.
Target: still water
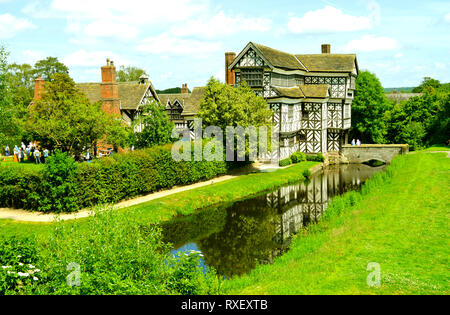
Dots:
{"x": 235, "y": 237}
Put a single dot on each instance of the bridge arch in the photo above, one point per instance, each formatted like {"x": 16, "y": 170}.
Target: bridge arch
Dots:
{"x": 381, "y": 152}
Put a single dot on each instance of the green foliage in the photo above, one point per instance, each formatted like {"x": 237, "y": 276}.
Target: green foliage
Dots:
{"x": 421, "y": 120}
{"x": 18, "y": 264}
{"x": 48, "y": 67}
{"x": 285, "y": 162}
{"x": 157, "y": 126}
{"x": 426, "y": 84}
{"x": 368, "y": 109}
{"x": 64, "y": 187}
{"x": 298, "y": 157}
{"x": 129, "y": 74}
{"x": 59, "y": 190}
{"x": 225, "y": 105}
{"x": 317, "y": 158}
{"x": 306, "y": 173}
{"x": 65, "y": 119}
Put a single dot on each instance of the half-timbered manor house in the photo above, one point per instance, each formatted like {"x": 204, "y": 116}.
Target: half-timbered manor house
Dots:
{"x": 310, "y": 95}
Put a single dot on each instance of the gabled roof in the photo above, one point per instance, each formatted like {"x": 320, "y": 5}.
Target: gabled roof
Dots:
{"x": 308, "y": 62}
{"x": 303, "y": 91}
{"x": 130, "y": 93}
{"x": 190, "y": 101}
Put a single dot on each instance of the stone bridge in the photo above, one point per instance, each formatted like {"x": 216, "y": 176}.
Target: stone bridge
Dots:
{"x": 367, "y": 152}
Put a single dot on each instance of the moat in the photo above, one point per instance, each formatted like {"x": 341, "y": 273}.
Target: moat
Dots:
{"x": 235, "y": 237}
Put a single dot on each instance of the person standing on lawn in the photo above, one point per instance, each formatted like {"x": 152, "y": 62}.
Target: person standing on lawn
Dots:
{"x": 7, "y": 150}
{"x": 37, "y": 156}
{"x": 21, "y": 155}
{"x": 45, "y": 156}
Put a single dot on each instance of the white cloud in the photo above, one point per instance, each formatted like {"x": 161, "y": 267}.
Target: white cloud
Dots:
{"x": 31, "y": 56}
{"x": 83, "y": 58}
{"x": 440, "y": 65}
{"x": 166, "y": 43}
{"x": 221, "y": 24}
{"x": 399, "y": 55}
{"x": 11, "y": 25}
{"x": 447, "y": 17}
{"x": 331, "y": 20}
{"x": 369, "y": 43}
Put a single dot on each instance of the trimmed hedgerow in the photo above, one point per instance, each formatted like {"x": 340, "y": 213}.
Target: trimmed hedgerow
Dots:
{"x": 317, "y": 158}
{"x": 60, "y": 187}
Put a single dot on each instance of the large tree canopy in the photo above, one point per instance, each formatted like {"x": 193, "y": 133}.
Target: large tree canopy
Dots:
{"x": 225, "y": 105}
{"x": 65, "y": 119}
{"x": 128, "y": 74}
{"x": 368, "y": 109}
{"x": 48, "y": 67}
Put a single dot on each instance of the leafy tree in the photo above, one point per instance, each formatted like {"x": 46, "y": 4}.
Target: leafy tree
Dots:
{"x": 128, "y": 74}
{"x": 48, "y": 67}
{"x": 65, "y": 119}
{"x": 225, "y": 105}
{"x": 157, "y": 126}
{"x": 21, "y": 80}
{"x": 9, "y": 130}
{"x": 368, "y": 110}
{"x": 426, "y": 83}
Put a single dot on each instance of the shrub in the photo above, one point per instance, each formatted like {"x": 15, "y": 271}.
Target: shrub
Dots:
{"x": 59, "y": 191}
{"x": 298, "y": 157}
{"x": 286, "y": 162}
{"x": 317, "y": 158}
{"x": 306, "y": 173}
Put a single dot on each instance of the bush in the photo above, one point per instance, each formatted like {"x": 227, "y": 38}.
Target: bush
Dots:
{"x": 113, "y": 254}
{"x": 306, "y": 173}
{"x": 64, "y": 186}
{"x": 316, "y": 158}
{"x": 286, "y": 162}
{"x": 298, "y": 157}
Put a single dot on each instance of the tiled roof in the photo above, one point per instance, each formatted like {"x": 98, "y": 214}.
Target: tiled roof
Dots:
{"x": 190, "y": 101}
{"x": 130, "y": 93}
{"x": 311, "y": 62}
{"x": 279, "y": 58}
{"x": 328, "y": 62}
{"x": 303, "y": 91}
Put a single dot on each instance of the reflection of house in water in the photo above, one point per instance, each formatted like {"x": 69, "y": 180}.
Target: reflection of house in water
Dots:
{"x": 301, "y": 204}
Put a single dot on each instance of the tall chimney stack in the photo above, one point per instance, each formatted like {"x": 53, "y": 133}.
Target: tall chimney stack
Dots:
{"x": 230, "y": 77}
{"x": 326, "y": 49}
{"x": 39, "y": 84}
{"x": 184, "y": 89}
{"x": 109, "y": 89}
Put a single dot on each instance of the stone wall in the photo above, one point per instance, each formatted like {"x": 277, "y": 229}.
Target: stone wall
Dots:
{"x": 367, "y": 152}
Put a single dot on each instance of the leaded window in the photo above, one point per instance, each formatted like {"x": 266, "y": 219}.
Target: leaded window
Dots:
{"x": 338, "y": 84}
{"x": 253, "y": 77}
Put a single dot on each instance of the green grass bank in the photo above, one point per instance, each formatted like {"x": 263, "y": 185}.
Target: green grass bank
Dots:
{"x": 398, "y": 220}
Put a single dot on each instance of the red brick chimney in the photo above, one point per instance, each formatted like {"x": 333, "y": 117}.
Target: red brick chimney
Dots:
{"x": 326, "y": 49}
{"x": 109, "y": 89}
{"x": 230, "y": 77}
{"x": 39, "y": 84}
{"x": 184, "y": 89}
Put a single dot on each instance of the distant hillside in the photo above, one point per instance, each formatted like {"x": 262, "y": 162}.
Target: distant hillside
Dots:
{"x": 399, "y": 90}
{"x": 176, "y": 90}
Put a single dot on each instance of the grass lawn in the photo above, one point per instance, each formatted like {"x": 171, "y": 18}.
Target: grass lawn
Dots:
{"x": 399, "y": 220}
{"x": 182, "y": 203}
{"x": 438, "y": 147}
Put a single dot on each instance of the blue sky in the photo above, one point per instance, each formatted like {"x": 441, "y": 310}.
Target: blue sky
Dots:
{"x": 184, "y": 41}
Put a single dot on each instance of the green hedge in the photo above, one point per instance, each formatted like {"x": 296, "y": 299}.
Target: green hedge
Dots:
{"x": 107, "y": 180}
{"x": 298, "y": 157}
{"x": 285, "y": 162}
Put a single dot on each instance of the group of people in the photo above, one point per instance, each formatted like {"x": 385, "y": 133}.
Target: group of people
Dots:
{"x": 31, "y": 151}
{"x": 357, "y": 142}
